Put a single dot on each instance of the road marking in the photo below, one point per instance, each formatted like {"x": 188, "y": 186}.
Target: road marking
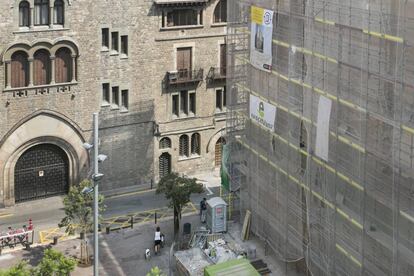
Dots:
{"x": 6, "y": 215}
{"x": 210, "y": 192}
{"x": 131, "y": 193}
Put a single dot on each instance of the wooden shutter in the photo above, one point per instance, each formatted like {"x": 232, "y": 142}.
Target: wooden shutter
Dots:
{"x": 41, "y": 67}
{"x": 19, "y": 70}
{"x": 63, "y": 66}
{"x": 184, "y": 58}
{"x": 164, "y": 164}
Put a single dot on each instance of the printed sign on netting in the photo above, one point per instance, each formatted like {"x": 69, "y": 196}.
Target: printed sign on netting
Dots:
{"x": 262, "y": 112}
{"x": 261, "y": 30}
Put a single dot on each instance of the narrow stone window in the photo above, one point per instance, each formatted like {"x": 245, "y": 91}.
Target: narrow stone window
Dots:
{"x": 114, "y": 39}
{"x": 41, "y": 12}
{"x": 183, "y": 149}
{"x": 165, "y": 143}
{"x": 59, "y": 12}
{"x": 124, "y": 100}
{"x": 184, "y": 102}
{"x": 105, "y": 38}
{"x": 195, "y": 144}
{"x": 105, "y": 94}
{"x": 192, "y": 97}
{"x": 24, "y": 14}
{"x": 175, "y": 104}
{"x": 220, "y": 12}
{"x": 124, "y": 45}
{"x": 115, "y": 97}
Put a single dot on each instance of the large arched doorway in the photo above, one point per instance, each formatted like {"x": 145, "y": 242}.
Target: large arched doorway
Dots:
{"x": 218, "y": 151}
{"x": 41, "y": 171}
{"x": 164, "y": 164}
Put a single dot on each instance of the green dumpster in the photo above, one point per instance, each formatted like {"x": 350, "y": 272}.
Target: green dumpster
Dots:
{"x": 239, "y": 267}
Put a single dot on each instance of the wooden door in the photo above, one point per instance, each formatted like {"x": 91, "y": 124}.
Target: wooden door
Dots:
{"x": 41, "y": 67}
{"x": 63, "y": 66}
{"x": 19, "y": 70}
{"x": 223, "y": 59}
{"x": 184, "y": 61}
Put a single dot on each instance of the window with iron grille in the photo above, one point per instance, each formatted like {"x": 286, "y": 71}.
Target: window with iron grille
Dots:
{"x": 195, "y": 144}
{"x": 165, "y": 143}
{"x": 183, "y": 149}
{"x": 164, "y": 164}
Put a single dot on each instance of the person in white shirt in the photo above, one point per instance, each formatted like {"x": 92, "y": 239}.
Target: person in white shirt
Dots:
{"x": 157, "y": 240}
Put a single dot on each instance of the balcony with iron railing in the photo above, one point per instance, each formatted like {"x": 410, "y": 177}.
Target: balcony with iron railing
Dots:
{"x": 183, "y": 77}
{"x": 216, "y": 74}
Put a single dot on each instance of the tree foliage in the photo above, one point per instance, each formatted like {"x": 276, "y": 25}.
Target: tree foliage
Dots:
{"x": 53, "y": 263}
{"x": 155, "y": 271}
{"x": 178, "y": 190}
{"x": 79, "y": 208}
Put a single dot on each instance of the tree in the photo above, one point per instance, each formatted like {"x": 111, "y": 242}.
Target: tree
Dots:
{"x": 178, "y": 190}
{"x": 155, "y": 271}
{"x": 78, "y": 206}
{"x": 54, "y": 263}
{"x": 19, "y": 269}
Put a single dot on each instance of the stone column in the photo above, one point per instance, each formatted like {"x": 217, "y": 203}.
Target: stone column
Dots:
{"x": 52, "y": 69}
{"x": 73, "y": 68}
{"x": 32, "y": 17}
{"x": 51, "y": 17}
{"x": 8, "y": 74}
{"x": 31, "y": 73}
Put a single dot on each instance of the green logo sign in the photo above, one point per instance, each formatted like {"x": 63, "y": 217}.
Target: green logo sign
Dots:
{"x": 261, "y": 109}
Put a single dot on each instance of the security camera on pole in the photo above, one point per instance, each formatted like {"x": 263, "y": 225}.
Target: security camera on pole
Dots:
{"x": 96, "y": 177}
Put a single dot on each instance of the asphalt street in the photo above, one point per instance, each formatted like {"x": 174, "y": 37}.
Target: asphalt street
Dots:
{"x": 47, "y": 213}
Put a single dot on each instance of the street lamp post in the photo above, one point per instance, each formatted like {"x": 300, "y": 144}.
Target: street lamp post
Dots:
{"x": 96, "y": 177}
{"x": 95, "y": 197}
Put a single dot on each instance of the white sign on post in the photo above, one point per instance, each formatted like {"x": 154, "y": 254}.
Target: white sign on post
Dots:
{"x": 322, "y": 128}
{"x": 263, "y": 113}
{"x": 261, "y": 30}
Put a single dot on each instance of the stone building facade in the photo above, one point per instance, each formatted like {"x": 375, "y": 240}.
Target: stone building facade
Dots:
{"x": 152, "y": 69}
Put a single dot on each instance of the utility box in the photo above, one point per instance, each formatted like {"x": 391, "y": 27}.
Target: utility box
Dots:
{"x": 216, "y": 215}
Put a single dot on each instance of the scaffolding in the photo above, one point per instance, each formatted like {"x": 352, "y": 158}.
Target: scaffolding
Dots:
{"x": 352, "y": 214}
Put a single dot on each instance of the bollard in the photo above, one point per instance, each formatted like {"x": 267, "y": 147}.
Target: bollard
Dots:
{"x": 155, "y": 217}
{"x": 132, "y": 222}
{"x": 108, "y": 230}
{"x": 55, "y": 240}
{"x": 151, "y": 184}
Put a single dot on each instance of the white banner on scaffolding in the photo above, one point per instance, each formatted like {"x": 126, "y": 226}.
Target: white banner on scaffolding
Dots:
{"x": 261, "y": 30}
{"x": 263, "y": 113}
{"x": 322, "y": 128}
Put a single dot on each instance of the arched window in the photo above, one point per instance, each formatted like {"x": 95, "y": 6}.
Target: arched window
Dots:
{"x": 63, "y": 65}
{"x": 165, "y": 143}
{"x": 41, "y": 12}
{"x": 183, "y": 150}
{"x": 19, "y": 70}
{"x": 164, "y": 165}
{"x": 220, "y": 12}
{"x": 59, "y": 9}
{"x": 195, "y": 144}
{"x": 24, "y": 14}
{"x": 41, "y": 67}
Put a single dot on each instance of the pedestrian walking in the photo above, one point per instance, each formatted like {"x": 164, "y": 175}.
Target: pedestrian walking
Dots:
{"x": 203, "y": 210}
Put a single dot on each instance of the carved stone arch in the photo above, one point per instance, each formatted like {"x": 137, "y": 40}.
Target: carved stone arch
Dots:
{"x": 64, "y": 44}
{"x": 11, "y": 49}
{"x": 39, "y": 45}
{"x": 42, "y": 127}
{"x": 213, "y": 139}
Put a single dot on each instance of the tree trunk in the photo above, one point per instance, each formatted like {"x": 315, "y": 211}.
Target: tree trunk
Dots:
{"x": 177, "y": 215}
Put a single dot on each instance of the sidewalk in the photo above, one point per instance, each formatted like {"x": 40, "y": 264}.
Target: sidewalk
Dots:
{"x": 121, "y": 252}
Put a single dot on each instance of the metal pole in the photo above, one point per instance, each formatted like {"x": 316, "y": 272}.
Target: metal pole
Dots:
{"x": 95, "y": 198}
